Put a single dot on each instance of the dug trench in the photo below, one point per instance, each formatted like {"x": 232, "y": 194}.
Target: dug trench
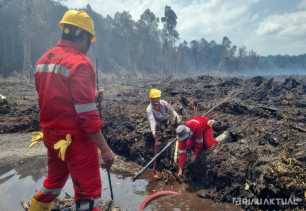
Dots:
{"x": 264, "y": 158}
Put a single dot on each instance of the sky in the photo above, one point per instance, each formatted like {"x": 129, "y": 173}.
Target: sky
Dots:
{"x": 267, "y": 26}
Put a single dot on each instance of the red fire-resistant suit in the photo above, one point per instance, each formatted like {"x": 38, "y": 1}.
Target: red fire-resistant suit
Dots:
{"x": 202, "y": 138}
{"x": 66, "y": 86}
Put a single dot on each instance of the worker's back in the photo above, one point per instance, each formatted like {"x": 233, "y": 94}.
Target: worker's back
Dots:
{"x": 198, "y": 125}
{"x": 55, "y": 76}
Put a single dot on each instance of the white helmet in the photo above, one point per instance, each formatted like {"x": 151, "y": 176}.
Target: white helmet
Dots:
{"x": 183, "y": 132}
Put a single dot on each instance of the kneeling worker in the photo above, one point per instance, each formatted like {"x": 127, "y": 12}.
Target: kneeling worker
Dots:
{"x": 196, "y": 135}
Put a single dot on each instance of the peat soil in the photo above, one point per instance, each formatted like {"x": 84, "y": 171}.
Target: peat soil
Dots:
{"x": 264, "y": 157}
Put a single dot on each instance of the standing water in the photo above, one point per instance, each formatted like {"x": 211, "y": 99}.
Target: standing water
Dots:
{"x": 15, "y": 189}
{"x": 128, "y": 195}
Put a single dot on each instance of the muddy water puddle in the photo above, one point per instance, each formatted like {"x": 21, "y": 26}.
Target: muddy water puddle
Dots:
{"x": 15, "y": 188}
{"x": 189, "y": 202}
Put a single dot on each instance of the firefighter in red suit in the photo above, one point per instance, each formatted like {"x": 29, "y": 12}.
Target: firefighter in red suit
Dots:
{"x": 195, "y": 135}
{"x": 66, "y": 85}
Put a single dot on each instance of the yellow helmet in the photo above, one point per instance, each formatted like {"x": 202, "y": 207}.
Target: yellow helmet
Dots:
{"x": 80, "y": 19}
{"x": 154, "y": 93}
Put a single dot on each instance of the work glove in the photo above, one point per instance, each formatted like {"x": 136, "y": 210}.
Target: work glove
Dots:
{"x": 36, "y": 138}
{"x": 62, "y": 146}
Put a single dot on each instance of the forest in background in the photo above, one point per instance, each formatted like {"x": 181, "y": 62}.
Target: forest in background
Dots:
{"x": 149, "y": 45}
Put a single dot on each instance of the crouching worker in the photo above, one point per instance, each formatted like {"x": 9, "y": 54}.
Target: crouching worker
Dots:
{"x": 194, "y": 136}
{"x": 66, "y": 86}
{"x": 159, "y": 114}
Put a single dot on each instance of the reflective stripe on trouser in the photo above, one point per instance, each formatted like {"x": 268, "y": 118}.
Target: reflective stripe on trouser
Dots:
{"x": 81, "y": 108}
{"x": 55, "y": 191}
{"x": 81, "y": 162}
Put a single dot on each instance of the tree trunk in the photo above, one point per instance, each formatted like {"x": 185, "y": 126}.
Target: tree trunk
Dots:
{"x": 27, "y": 50}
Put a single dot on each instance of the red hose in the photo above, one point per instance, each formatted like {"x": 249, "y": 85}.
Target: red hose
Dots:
{"x": 154, "y": 196}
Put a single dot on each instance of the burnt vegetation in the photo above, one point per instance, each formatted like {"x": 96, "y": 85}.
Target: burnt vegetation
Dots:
{"x": 264, "y": 157}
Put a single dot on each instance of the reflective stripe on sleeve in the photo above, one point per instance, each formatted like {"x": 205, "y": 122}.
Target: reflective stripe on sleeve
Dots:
{"x": 81, "y": 108}
{"x": 52, "y": 68}
{"x": 196, "y": 121}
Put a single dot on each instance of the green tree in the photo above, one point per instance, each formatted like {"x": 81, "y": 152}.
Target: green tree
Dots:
{"x": 170, "y": 36}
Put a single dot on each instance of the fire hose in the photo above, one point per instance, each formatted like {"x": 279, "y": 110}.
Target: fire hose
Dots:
{"x": 154, "y": 196}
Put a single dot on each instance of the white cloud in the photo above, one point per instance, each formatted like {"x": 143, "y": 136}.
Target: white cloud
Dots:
{"x": 245, "y": 22}
{"x": 214, "y": 17}
{"x": 268, "y": 28}
{"x": 282, "y": 34}
{"x": 302, "y": 4}
{"x": 290, "y": 25}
